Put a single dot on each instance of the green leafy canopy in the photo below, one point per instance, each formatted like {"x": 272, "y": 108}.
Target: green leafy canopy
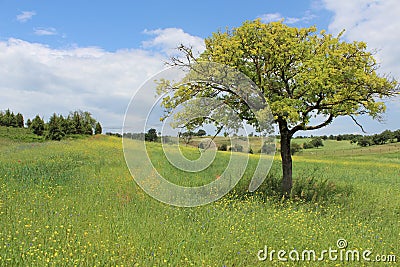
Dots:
{"x": 300, "y": 73}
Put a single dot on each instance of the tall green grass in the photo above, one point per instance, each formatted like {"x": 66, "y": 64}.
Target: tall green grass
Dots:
{"x": 74, "y": 203}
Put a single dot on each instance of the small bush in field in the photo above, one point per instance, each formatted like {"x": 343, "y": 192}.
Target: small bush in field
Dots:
{"x": 223, "y": 147}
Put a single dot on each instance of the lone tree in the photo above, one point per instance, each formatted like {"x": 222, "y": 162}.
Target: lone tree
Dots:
{"x": 187, "y": 136}
{"x": 98, "y": 129}
{"x": 151, "y": 135}
{"x": 300, "y": 74}
{"x": 201, "y": 132}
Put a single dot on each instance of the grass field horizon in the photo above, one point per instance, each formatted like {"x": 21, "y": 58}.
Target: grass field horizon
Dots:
{"x": 74, "y": 203}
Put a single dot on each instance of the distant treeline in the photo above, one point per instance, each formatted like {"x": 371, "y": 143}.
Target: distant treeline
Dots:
{"x": 384, "y": 137}
{"x": 9, "y": 119}
{"x": 58, "y": 126}
{"x": 136, "y": 136}
{"x": 153, "y": 136}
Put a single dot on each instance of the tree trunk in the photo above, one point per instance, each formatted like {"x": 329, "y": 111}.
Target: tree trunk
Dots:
{"x": 286, "y": 158}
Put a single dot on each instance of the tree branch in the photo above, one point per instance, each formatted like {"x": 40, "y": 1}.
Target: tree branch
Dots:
{"x": 357, "y": 123}
{"x": 219, "y": 129}
{"x": 309, "y": 128}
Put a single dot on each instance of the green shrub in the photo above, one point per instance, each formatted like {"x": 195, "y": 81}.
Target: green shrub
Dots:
{"x": 308, "y": 145}
{"x": 223, "y": 147}
{"x": 294, "y": 148}
{"x": 268, "y": 148}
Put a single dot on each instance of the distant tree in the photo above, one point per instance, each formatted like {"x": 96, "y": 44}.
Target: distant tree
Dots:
{"x": 77, "y": 123}
{"x": 89, "y": 122}
{"x": 308, "y": 145}
{"x": 98, "y": 129}
{"x": 223, "y": 147}
{"x": 9, "y": 119}
{"x": 268, "y": 148}
{"x": 68, "y": 125}
{"x": 201, "y": 145}
{"x": 365, "y": 141}
{"x": 387, "y": 135}
{"x": 151, "y": 135}
{"x": 295, "y": 148}
{"x": 354, "y": 140}
{"x": 37, "y": 125}
{"x": 396, "y": 135}
{"x": 19, "y": 120}
{"x": 187, "y": 136}
{"x": 64, "y": 124}
{"x": 201, "y": 132}
{"x": 236, "y": 148}
{"x": 82, "y": 122}
{"x": 28, "y": 123}
{"x": 379, "y": 139}
{"x": 317, "y": 142}
{"x": 54, "y": 128}
{"x": 114, "y": 134}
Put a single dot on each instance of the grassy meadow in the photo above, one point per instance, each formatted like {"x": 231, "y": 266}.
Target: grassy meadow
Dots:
{"x": 75, "y": 203}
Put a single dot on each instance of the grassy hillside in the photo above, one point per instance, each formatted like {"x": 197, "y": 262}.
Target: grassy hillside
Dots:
{"x": 18, "y": 134}
{"x": 75, "y": 203}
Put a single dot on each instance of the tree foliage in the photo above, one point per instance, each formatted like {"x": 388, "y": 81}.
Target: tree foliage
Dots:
{"x": 77, "y": 122}
{"x": 201, "y": 132}
{"x": 37, "y": 125}
{"x": 187, "y": 136}
{"x": 295, "y": 148}
{"x": 55, "y": 131}
{"x": 9, "y": 119}
{"x": 300, "y": 74}
{"x": 98, "y": 129}
{"x": 151, "y": 135}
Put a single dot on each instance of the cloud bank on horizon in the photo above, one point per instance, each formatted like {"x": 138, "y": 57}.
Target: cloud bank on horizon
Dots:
{"x": 36, "y": 78}
{"x": 40, "y": 79}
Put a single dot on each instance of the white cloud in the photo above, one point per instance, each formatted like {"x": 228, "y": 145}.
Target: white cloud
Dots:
{"x": 25, "y": 16}
{"x": 270, "y": 17}
{"x": 36, "y": 79}
{"x": 167, "y": 40}
{"x": 376, "y": 23}
{"x": 45, "y": 31}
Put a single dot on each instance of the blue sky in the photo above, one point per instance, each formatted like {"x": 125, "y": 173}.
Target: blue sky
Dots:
{"x": 94, "y": 55}
{"x": 113, "y": 26}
